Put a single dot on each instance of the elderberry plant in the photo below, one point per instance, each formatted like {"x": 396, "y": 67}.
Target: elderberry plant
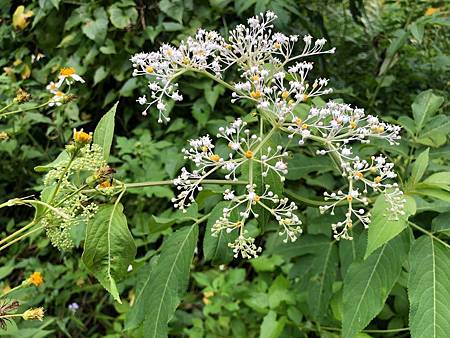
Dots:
{"x": 261, "y": 67}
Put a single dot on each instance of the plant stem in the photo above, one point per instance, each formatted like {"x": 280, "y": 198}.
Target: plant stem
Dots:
{"x": 20, "y": 238}
{"x": 7, "y": 106}
{"x": 14, "y": 234}
{"x": 428, "y": 233}
{"x": 22, "y": 110}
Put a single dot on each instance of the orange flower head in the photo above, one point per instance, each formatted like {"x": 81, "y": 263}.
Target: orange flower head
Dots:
{"x": 248, "y": 154}
{"x": 215, "y": 158}
{"x": 256, "y": 94}
{"x": 105, "y": 184}
{"x": 67, "y": 71}
{"x": 81, "y": 136}
{"x": 36, "y": 278}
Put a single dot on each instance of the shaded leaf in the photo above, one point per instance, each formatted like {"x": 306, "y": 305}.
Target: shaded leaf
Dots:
{"x": 368, "y": 283}
{"x": 109, "y": 247}
{"x": 429, "y": 289}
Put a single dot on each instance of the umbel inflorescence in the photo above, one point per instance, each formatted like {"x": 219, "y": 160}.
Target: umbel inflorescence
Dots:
{"x": 277, "y": 82}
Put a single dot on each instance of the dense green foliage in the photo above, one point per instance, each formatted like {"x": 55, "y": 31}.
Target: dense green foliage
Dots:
{"x": 392, "y": 280}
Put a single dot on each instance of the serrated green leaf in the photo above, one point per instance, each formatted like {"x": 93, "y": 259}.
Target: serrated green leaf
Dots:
{"x": 419, "y": 167}
{"x": 301, "y": 165}
{"x": 97, "y": 27}
{"x": 104, "y": 132}
{"x": 216, "y": 248}
{"x": 383, "y": 228}
{"x": 109, "y": 247}
{"x": 368, "y": 283}
{"x": 320, "y": 286}
{"x": 424, "y": 106}
{"x": 271, "y": 327}
{"x": 439, "y": 179}
{"x": 167, "y": 282}
{"x": 429, "y": 289}
{"x": 63, "y": 156}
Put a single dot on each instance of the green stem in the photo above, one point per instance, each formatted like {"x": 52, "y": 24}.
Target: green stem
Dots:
{"x": 22, "y": 110}
{"x": 428, "y": 233}
{"x": 14, "y": 234}
{"x": 6, "y": 107}
{"x": 20, "y": 238}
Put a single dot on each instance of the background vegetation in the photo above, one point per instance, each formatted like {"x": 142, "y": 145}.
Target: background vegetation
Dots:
{"x": 391, "y": 59}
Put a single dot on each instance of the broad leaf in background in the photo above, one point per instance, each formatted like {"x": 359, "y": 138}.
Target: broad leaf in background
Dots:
{"x": 368, "y": 283}
{"x": 301, "y": 165}
{"x": 166, "y": 284}
{"x": 109, "y": 247}
{"x": 424, "y": 106}
{"x": 320, "y": 286}
{"x": 271, "y": 327}
{"x": 383, "y": 227}
{"x": 103, "y": 134}
{"x": 419, "y": 167}
{"x": 216, "y": 248}
{"x": 429, "y": 289}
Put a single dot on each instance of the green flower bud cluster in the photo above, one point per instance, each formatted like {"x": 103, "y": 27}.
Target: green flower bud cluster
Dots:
{"x": 64, "y": 186}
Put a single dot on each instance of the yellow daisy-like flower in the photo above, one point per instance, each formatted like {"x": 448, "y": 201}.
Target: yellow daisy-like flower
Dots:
{"x": 36, "y": 278}
{"x": 81, "y": 137}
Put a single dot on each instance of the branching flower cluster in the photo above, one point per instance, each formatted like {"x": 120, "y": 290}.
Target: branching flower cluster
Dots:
{"x": 278, "y": 83}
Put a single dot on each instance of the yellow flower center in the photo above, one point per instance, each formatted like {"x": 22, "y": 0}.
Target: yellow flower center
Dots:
{"x": 305, "y": 97}
{"x": 377, "y": 179}
{"x": 256, "y": 94}
{"x": 359, "y": 174}
{"x": 105, "y": 184}
{"x": 67, "y": 71}
{"x": 277, "y": 45}
{"x": 215, "y": 158}
{"x": 285, "y": 94}
{"x": 353, "y": 124}
{"x": 304, "y": 126}
{"x": 204, "y": 149}
{"x": 186, "y": 60}
{"x": 248, "y": 154}
{"x": 349, "y": 224}
{"x": 59, "y": 94}
{"x": 255, "y": 78}
{"x": 257, "y": 198}
{"x": 349, "y": 198}
{"x": 149, "y": 69}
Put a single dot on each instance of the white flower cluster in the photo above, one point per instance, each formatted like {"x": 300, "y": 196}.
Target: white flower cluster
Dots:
{"x": 245, "y": 151}
{"x": 249, "y": 47}
{"x": 277, "y": 82}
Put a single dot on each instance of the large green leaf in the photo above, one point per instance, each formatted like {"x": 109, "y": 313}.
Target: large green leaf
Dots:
{"x": 424, "y": 106}
{"x": 104, "y": 132}
{"x": 162, "y": 291}
{"x": 429, "y": 289}
{"x": 320, "y": 284}
{"x": 109, "y": 247}
{"x": 419, "y": 167}
{"x": 383, "y": 227}
{"x": 368, "y": 283}
{"x": 216, "y": 248}
{"x": 301, "y": 165}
